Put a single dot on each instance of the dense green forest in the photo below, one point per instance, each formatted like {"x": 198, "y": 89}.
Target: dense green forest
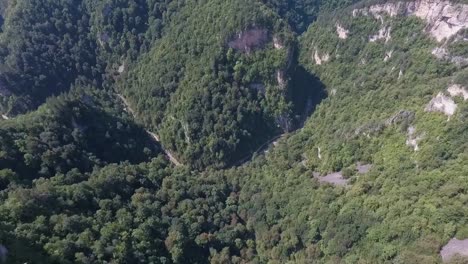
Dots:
{"x": 256, "y": 100}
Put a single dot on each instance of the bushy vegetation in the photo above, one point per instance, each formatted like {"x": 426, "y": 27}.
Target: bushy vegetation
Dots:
{"x": 75, "y": 131}
{"x": 199, "y": 93}
{"x": 82, "y": 182}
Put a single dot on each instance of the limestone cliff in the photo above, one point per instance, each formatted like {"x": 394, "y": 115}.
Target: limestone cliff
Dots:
{"x": 444, "y": 19}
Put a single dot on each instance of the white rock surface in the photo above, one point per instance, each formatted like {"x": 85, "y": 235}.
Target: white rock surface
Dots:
{"x": 400, "y": 74}
{"x": 277, "y": 43}
{"x": 442, "y": 53}
{"x": 342, "y": 32}
{"x": 458, "y": 90}
{"x": 444, "y": 19}
{"x": 443, "y": 104}
{"x": 384, "y": 33}
{"x": 320, "y": 59}
{"x": 280, "y": 78}
{"x": 388, "y": 55}
{"x": 121, "y": 68}
{"x": 413, "y": 139}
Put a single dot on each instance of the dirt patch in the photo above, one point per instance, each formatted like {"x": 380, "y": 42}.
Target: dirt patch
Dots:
{"x": 335, "y": 178}
{"x": 250, "y": 40}
{"x": 363, "y": 168}
{"x": 454, "y": 247}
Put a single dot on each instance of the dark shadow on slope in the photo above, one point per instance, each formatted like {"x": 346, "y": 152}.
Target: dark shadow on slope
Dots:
{"x": 72, "y": 135}
{"x": 21, "y": 250}
{"x": 306, "y": 92}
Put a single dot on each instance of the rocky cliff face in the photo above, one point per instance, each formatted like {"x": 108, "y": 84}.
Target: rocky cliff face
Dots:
{"x": 444, "y": 19}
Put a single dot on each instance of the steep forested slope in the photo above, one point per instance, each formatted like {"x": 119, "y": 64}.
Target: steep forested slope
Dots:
{"x": 392, "y": 103}
{"x": 215, "y": 86}
{"x": 75, "y": 131}
{"x": 44, "y": 48}
{"x": 48, "y": 46}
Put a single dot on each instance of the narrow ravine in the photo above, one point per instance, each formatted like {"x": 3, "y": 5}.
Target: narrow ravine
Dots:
{"x": 168, "y": 154}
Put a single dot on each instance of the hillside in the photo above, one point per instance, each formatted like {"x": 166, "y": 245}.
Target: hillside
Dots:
{"x": 234, "y": 131}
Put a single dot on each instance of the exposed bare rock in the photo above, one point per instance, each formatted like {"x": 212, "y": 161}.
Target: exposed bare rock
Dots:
{"x": 400, "y": 117}
{"x": 443, "y": 54}
{"x": 186, "y": 132}
{"x": 440, "y": 53}
{"x": 413, "y": 139}
{"x": 319, "y": 153}
{"x": 249, "y": 40}
{"x": 5, "y": 117}
{"x": 388, "y": 55}
{"x": 458, "y": 90}
{"x": 443, "y": 18}
{"x": 384, "y": 33}
{"x": 320, "y": 59}
{"x": 390, "y": 9}
{"x": 460, "y": 61}
{"x": 400, "y": 74}
{"x": 121, "y": 68}
{"x": 280, "y": 78}
{"x": 363, "y": 168}
{"x": 342, "y": 32}
{"x": 443, "y": 104}
{"x": 454, "y": 247}
{"x": 277, "y": 43}
{"x": 335, "y": 178}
